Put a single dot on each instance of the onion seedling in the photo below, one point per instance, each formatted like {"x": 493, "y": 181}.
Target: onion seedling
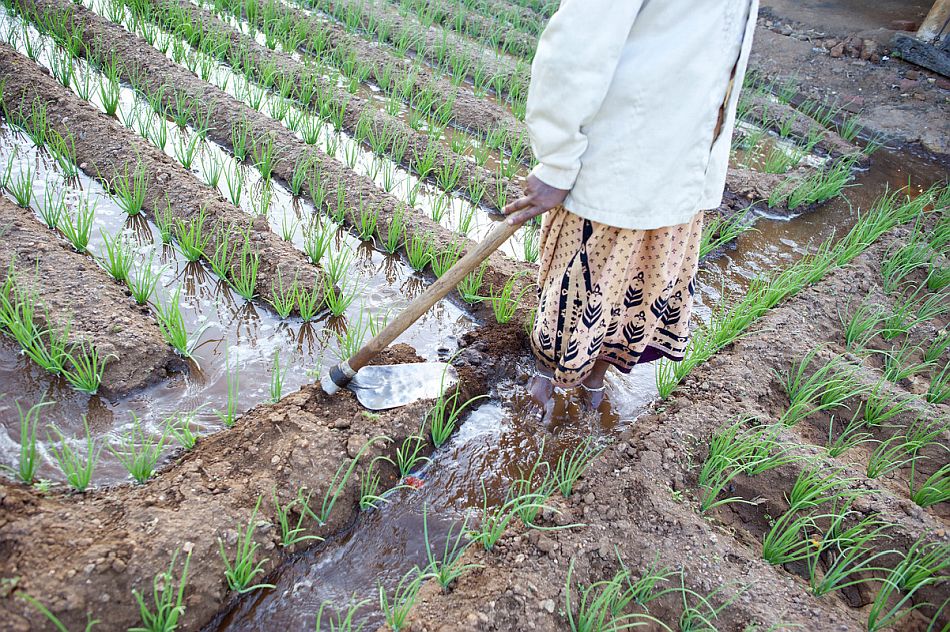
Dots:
{"x": 244, "y": 281}
{"x": 859, "y": 329}
{"x": 368, "y": 218}
{"x": 337, "y": 265}
{"x": 192, "y": 239}
{"x": 899, "y": 363}
{"x": 936, "y": 489}
{"x": 847, "y": 554}
{"x": 53, "y": 619}
{"x": 919, "y": 567}
{"x": 572, "y": 464}
{"x": 76, "y": 466}
{"x": 443, "y": 261}
{"x": 29, "y": 455}
{"x": 283, "y": 299}
{"x": 469, "y": 287}
{"x": 444, "y": 414}
{"x": 852, "y": 435}
{"x": 899, "y": 263}
{"x": 77, "y": 227}
{"x": 448, "y": 567}
{"x": 396, "y": 609}
{"x": 228, "y": 416}
{"x": 240, "y": 134}
{"x": 211, "y": 169}
{"x": 234, "y": 180}
{"x": 54, "y": 205}
{"x": 277, "y": 379}
{"x": 172, "y": 325}
{"x": 130, "y": 189}
{"x": 168, "y": 599}
{"x": 264, "y": 158}
{"x": 340, "y": 621}
{"x": 597, "y": 609}
{"x": 938, "y": 391}
{"x": 339, "y": 481}
{"x": 409, "y": 455}
{"x": 21, "y": 188}
{"x": 240, "y": 572}
{"x": 419, "y": 250}
{"x": 86, "y": 367}
{"x": 719, "y": 231}
{"x": 700, "y": 617}
{"x": 338, "y": 300}
{"x": 63, "y": 149}
{"x": 119, "y": 256}
{"x": 882, "y": 406}
{"x": 505, "y": 303}
{"x": 906, "y": 313}
{"x": 180, "y": 425}
{"x": 186, "y": 149}
{"x": 139, "y": 452}
{"x": 395, "y": 231}
{"x": 143, "y": 278}
{"x": 292, "y": 533}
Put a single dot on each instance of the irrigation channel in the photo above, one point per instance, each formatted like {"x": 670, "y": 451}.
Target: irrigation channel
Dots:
{"x": 499, "y": 441}
{"x": 239, "y": 346}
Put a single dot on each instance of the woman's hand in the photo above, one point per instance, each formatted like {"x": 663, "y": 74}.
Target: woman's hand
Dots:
{"x": 539, "y": 198}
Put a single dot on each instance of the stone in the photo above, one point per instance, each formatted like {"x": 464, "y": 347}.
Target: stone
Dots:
{"x": 913, "y": 75}
{"x": 546, "y": 544}
{"x": 837, "y": 50}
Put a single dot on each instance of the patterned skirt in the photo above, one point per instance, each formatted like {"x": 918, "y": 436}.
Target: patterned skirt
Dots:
{"x": 619, "y": 295}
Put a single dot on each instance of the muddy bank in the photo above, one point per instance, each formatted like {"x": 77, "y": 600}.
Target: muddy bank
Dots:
{"x": 85, "y": 553}
{"x": 75, "y": 292}
{"x": 106, "y": 150}
{"x": 640, "y": 499}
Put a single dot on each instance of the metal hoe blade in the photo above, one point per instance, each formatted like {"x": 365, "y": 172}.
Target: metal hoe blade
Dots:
{"x": 392, "y": 385}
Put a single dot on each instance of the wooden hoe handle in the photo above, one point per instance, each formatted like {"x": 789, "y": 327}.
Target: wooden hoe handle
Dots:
{"x": 340, "y": 375}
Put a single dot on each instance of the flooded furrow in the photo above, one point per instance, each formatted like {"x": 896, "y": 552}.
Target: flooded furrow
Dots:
{"x": 233, "y": 337}
{"x": 500, "y": 440}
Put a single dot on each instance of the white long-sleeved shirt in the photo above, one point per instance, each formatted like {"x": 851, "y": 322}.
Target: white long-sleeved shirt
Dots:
{"x": 624, "y": 100}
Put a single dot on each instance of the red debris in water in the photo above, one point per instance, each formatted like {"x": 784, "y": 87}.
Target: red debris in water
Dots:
{"x": 413, "y": 482}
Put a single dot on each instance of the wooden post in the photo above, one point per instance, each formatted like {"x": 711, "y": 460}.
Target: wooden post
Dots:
{"x": 934, "y": 22}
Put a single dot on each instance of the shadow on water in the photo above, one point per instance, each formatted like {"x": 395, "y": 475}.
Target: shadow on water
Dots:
{"x": 501, "y": 438}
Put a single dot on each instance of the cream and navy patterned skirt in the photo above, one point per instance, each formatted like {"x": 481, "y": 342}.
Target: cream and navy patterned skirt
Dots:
{"x": 613, "y": 294}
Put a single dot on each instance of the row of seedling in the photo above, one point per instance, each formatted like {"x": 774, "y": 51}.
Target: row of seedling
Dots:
{"x": 453, "y": 212}
{"x": 831, "y": 385}
{"x": 837, "y": 546}
{"x": 460, "y": 63}
{"x": 821, "y": 185}
{"x": 462, "y": 18}
{"x": 730, "y": 322}
{"x": 407, "y": 84}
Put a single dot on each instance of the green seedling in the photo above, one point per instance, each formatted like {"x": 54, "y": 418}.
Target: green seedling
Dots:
{"x": 180, "y": 426}
{"x": 130, "y": 189}
{"x": 191, "y": 236}
{"x": 419, "y": 250}
{"x": 77, "y": 227}
{"x": 700, "y": 616}
{"x": 443, "y": 261}
{"x": 852, "y": 435}
{"x": 244, "y": 279}
{"x": 444, "y": 415}
{"x": 234, "y": 180}
{"x": 241, "y": 571}
{"x": 938, "y": 391}
{"x": 76, "y": 466}
{"x": 143, "y": 278}
{"x": 29, "y": 454}
{"x": 138, "y": 451}
{"x": 395, "y": 231}
{"x": 277, "y": 379}
{"x": 119, "y": 256}
{"x": 168, "y": 599}
{"x": 337, "y": 265}
{"x": 341, "y": 620}
{"x": 172, "y": 324}
{"x": 572, "y": 464}
{"x": 396, "y": 609}
{"x": 505, "y": 303}
{"x": 228, "y": 416}
{"x": 338, "y": 299}
{"x": 899, "y": 362}
{"x": 447, "y": 567}
{"x": 291, "y": 532}
{"x": 860, "y": 327}
{"x": 54, "y": 205}
{"x": 85, "y": 368}
{"x": 409, "y": 456}
{"x": 596, "y": 609}
{"x": 283, "y": 298}
{"x": 934, "y": 490}
{"x": 921, "y": 566}
{"x": 53, "y": 619}
{"x": 339, "y": 481}
{"x": 470, "y": 286}
{"x": 21, "y": 188}
{"x": 848, "y": 554}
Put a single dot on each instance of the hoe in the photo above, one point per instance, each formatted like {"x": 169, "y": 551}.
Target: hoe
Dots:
{"x": 389, "y": 386}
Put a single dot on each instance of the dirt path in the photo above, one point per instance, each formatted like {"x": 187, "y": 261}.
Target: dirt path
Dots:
{"x": 79, "y": 293}
{"x": 638, "y": 500}
{"x": 106, "y": 150}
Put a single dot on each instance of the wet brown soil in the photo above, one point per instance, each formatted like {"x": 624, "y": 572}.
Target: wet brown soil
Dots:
{"x": 77, "y": 293}
{"x": 85, "y": 553}
{"x": 639, "y": 500}
{"x": 106, "y": 150}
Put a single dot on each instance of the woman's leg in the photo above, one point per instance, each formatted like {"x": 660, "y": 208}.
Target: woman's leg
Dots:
{"x": 595, "y": 379}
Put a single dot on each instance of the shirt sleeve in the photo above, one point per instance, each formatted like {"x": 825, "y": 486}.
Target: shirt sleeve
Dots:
{"x": 573, "y": 67}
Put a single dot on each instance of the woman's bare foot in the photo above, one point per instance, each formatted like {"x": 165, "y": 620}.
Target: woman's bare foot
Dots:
{"x": 541, "y": 389}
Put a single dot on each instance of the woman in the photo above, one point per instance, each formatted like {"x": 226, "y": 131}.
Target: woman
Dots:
{"x": 630, "y": 111}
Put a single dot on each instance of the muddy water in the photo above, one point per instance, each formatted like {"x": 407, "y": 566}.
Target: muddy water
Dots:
{"x": 501, "y": 439}
{"x": 232, "y": 334}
